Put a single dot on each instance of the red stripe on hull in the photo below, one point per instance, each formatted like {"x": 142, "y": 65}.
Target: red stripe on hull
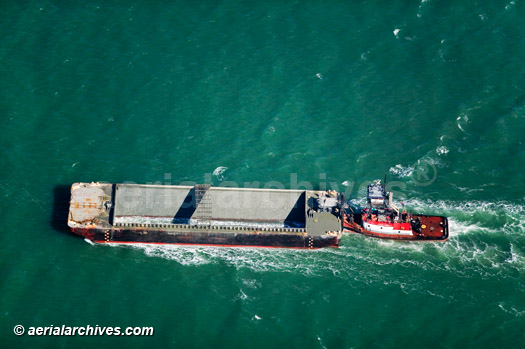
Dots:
{"x": 357, "y": 229}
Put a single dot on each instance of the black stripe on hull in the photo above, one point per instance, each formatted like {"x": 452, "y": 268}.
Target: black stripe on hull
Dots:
{"x": 208, "y": 238}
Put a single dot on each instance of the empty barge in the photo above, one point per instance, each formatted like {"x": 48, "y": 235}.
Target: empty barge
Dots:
{"x": 204, "y": 215}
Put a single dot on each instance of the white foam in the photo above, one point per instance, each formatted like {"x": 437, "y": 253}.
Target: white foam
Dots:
{"x": 462, "y": 119}
{"x": 242, "y": 295}
{"x": 510, "y": 5}
{"x": 401, "y": 171}
{"x": 270, "y": 130}
{"x": 219, "y": 172}
{"x": 442, "y": 150}
{"x": 515, "y": 256}
{"x": 471, "y": 206}
{"x": 467, "y": 190}
{"x": 396, "y": 32}
{"x": 511, "y": 310}
{"x": 457, "y": 227}
{"x": 321, "y": 342}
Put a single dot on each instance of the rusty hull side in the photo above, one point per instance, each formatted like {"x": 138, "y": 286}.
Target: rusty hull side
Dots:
{"x": 210, "y": 238}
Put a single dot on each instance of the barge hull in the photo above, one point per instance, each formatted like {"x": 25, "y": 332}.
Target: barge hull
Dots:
{"x": 244, "y": 239}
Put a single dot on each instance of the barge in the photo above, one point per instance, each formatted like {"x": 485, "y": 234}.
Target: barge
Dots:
{"x": 204, "y": 215}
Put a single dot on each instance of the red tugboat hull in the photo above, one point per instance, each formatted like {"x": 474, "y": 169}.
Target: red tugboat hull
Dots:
{"x": 432, "y": 228}
{"x": 382, "y": 219}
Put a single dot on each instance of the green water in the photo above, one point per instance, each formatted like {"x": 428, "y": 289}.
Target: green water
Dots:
{"x": 333, "y": 93}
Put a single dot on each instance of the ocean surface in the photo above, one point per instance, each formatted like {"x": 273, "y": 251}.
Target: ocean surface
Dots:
{"x": 327, "y": 94}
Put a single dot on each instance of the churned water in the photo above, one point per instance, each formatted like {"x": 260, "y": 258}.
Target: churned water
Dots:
{"x": 328, "y": 93}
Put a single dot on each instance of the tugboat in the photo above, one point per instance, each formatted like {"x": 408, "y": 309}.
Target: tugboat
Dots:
{"x": 382, "y": 219}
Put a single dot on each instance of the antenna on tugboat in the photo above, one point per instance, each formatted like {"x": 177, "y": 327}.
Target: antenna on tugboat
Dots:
{"x": 385, "y": 180}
